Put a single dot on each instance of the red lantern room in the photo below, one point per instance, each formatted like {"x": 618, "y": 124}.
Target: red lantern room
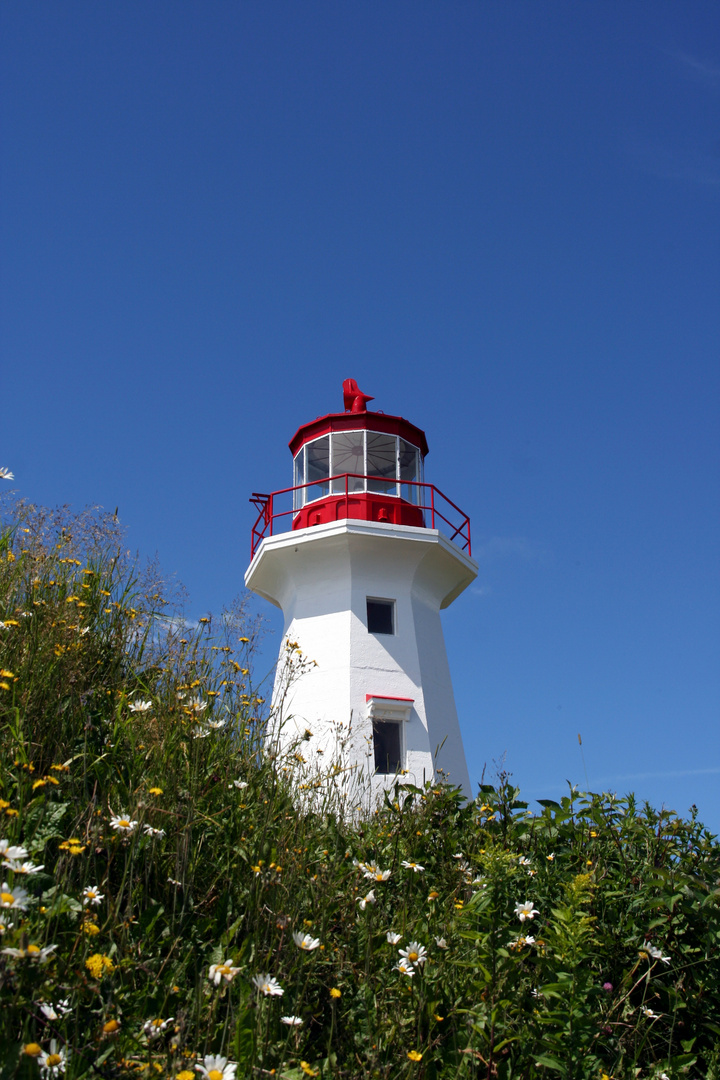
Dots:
{"x": 359, "y": 465}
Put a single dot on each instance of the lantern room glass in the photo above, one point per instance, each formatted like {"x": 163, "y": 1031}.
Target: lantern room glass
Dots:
{"x": 377, "y": 462}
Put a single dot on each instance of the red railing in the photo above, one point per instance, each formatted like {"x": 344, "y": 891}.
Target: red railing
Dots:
{"x": 434, "y": 506}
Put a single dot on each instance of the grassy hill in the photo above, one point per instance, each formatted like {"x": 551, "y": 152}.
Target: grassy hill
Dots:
{"x": 178, "y": 900}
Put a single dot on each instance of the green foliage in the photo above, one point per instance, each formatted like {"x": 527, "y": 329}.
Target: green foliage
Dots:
{"x": 578, "y": 942}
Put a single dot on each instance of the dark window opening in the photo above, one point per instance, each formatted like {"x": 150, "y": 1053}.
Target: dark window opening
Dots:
{"x": 380, "y": 616}
{"x": 386, "y": 740}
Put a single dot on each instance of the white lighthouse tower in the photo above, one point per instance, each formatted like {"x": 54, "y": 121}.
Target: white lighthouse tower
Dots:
{"x": 361, "y": 555}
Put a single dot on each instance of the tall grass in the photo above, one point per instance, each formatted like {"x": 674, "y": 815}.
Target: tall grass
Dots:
{"x": 183, "y": 871}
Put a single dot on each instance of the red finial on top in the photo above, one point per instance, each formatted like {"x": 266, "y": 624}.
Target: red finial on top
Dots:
{"x": 353, "y": 398}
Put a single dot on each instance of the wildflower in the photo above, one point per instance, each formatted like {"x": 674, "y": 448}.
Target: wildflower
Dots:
{"x": 414, "y": 1055}
{"x": 92, "y": 895}
{"x": 217, "y": 1068}
{"x": 393, "y": 938}
{"x": 14, "y": 851}
{"x": 607, "y": 987}
{"x": 149, "y": 831}
{"x": 405, "y": 968}
{"x": 521, "y": 942}
{"x": 649, "y": 1013}
{"x": 550, "y": 857}
{"x": 291, "y": 1021}
{"x": 240, "y": 784}
{"x": 308, "y": 1070}
{"x": 413, "y": 866}
{"x": 185, "y": 1074}
{"x": 97, "y": 965}
{"x": 72, "y": 845}
{"x": 111, "y": 1027}
{"x": 335, "y": 993}
{"x": 23, "y": 867}
{"x": 140, "y": 706}
{"x": 155, "y": 791}
{"x": 526, "y": 911}
{"x": 369, "y": 898}
{"x": 32, "y": 952}
{"x": 375, "y": 874}
{"x": 5, "y": 474}
{"x": 305, "y": 941}
{"x": 651, "y": 953}
{"x": 268, "y": 986}
{"x": 441, "y": 943}
{"x": 153, "y": 1028}
{"x": 197, "y": 705}
{"x": 13, "y": 898}
{"x": 53, "y": 1063}
{"x": 32, "y": 1049}
{"x": 174, "y": 881}
{"x": 56, "y": 1012}
{"x": 433, "y": 895}
{"x": 90, "y": 928}
{"x": 225, "y": 971}
{"x": 415, "y": 954}
{"x": 123, "y": 824}
{"x": 523, "y": 861}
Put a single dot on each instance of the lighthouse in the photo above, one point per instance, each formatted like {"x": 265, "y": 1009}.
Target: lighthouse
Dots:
{"x": 361, "y": 554}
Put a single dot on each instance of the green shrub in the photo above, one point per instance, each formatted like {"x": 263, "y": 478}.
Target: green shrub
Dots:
{"x": 179, "y": 877}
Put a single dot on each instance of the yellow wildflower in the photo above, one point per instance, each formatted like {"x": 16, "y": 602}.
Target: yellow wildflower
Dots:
{"x": 97, "y": 965}
{"x": 155, "y": 791}
{"x": 414, "y": 1055}
{"x": 308, "y": 1070}
{"x": 335, "y": 993}
{"x": 32, "y": 1049}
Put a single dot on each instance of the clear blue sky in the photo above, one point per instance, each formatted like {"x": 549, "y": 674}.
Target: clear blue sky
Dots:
{"x": 501, "y": 219}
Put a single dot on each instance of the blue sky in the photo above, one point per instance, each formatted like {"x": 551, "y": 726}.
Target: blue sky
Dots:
{"x": 501, "y": 219}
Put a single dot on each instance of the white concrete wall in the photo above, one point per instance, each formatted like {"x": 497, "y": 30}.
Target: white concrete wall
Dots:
{"x": 321, "y": 578}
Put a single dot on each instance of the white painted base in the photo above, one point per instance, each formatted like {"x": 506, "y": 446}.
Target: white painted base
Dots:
{"x": 321, "y": 578}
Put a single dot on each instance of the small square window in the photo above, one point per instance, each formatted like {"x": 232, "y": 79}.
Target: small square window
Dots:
{"x": 381, "y": 616}
{"x": 386, "y": 742}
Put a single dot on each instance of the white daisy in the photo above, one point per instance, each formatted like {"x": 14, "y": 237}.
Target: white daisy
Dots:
{"x": 374, "y": 873}
{"x": 305, "y": 942}
{"x": 526, "y": 911}
{"x": 240, "y": 784}
{"x": 5, "y": 474}
{"x": 217, "y": 1068}
{"x": 413, "y": 866}
{"x": 149, "y": 831}
{"x": 55, "y": 1012}
{"x": 53, "y": 1062}
{"x": 651, "y": 953}
{"x": 441, "y": 943}
{"x": 13, "y": 898}
{"x": 226, "y": 971}
{"x": 26, "y": 867}
{"x": 32, "y": 952}
{"x": 415, "y": 954}
{"x": 268, "y": 986}
{"x": 92, "y": 895}
{"x": 153, "y": 1028}
{"x": 140, "y": 706}
{"x": 369, "y": 898}
{"x": 12, "y": 851}
{"x": 405, "y": 968}
{"x": 291, "y": 1021}
{"x": 393, "y": 938}
{"x": 123, "y": 824}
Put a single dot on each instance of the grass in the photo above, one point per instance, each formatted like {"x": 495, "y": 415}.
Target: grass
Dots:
{"x": 179, "y": 876}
